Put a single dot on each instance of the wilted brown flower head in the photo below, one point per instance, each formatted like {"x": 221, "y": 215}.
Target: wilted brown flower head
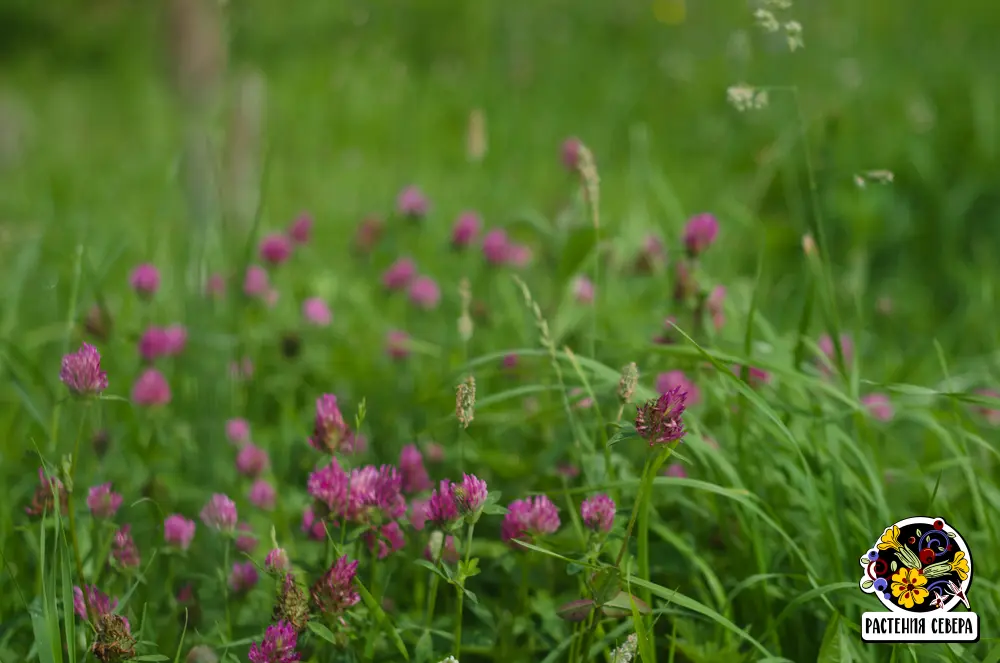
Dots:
{"x": 291, "y": 604}
{"x": 113, "y": 642}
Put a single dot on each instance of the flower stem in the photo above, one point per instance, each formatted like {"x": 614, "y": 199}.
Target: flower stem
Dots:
{"x": 457, "y": 650}
{"x": 432, "y": 595}
{"x": 225, "y": 589}
{"x": 373, "y": 581}
{"x": 70, "y": 508}
{"x": 635, "y": 510}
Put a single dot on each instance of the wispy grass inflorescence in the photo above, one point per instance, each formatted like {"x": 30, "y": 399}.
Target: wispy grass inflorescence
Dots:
{"x": 767, "y": 19}
{"x": 744, "y": 97}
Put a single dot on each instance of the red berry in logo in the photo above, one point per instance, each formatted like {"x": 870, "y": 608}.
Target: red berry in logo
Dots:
{"x": 938, "y": 524}
{"x": 913, "y": 540}
{"x": 926, "y": 556}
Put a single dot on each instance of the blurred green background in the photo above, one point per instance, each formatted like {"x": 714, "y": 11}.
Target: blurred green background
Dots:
{"x": 364, "y": 97}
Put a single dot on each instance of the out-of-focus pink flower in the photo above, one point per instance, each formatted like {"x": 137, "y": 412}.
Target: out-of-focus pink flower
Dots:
{"x": 103, "y": 502}
{"x": 300, "y": 230}
{"x": 675, "y": 470}
{"x": 176, "y": 339}
{"x": 434, "y": 452}
{"x": 529, "y": 518}
{"x": 467, "y": 228}
{"x": 242, "y": 369}
{"x": 375, "y": 492}
{"x": 160, "y": 342}
{"x": 153, "y": 343}
{"x": 277, "y": 561}
{"x": 364, "y": 494}
{"x": 519, "y": 255}
{"x": 412, "y": 203}
{"x": 496, "y": 247}
{"x": 879, "y": 405}
{"x": 441, "y": 508}
{"x": 583, "y": 290}
{"x": 667, "y": 381}
{"x": 598, "y": 513}
{"x": 216, "y": 286}
{"x": 368, "y": 234}
{"x": 330, "y": 486}
{"x": 256, "y": 283}
{"x": 243, "y": 577}
{"x": 151, "y": 389}
{"x": 313, "y": 526}
{"x": 262, "y": 495}
{"x": 44, "y": 499}
{"x": 582, "y": 402}
{"x": 714, "y": 304}
{"x": 424, "y": 292}
{"x": 251, "y": 460}
{"x": 123, "y": 549}
{"x": 178, "y": 531}
{"x": 98, "y": 322}
{"x": 418, "y": 513}
{"x": 509, "y": 361}
{"x": 570, "y": 152}
{"x": 387, "y": 539}
{"x": 700, "y": 233}
{"x": 756, "y": 377}
{"x": 829, "y": 359}
{"x": 81, "y": 371}
{"x": 238, "y": 431}
{"x": 245, "y": 541}
{"x": 220, "y": 513}
{"x": 94, "y": 601}
{"x": 685, "y": 283}
{"x": 568, "y": 470}
{"x": 329, "y": 428}
{"x": 355, "y": 443}
{"x": 652, "y": 255}
{"x": 397, "y": 344}
{"x": 316, "y": 312}
{"x": 145, "y": 280}
{"x": 411, "y": 466}
{"x": 399, "y": 274}
{"x": 275, "y": 249}
{"x": 666, "y": 337}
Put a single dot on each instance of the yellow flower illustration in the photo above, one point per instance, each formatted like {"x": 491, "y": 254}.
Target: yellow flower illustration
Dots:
{"x": 908, "y": 587}
{"x": 890, "y": 539}
{"x": 960, "y": 565}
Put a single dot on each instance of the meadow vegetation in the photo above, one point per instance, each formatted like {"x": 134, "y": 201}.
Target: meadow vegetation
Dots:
{"x": 528, "y": 332}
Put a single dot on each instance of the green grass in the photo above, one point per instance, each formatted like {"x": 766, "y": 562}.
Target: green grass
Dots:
{"x": 753, "y": 555}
